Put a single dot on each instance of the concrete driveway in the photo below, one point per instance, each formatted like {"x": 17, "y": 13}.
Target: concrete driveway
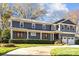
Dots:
{"x": 35, "y": 51}
{"x": 40, "y": 51}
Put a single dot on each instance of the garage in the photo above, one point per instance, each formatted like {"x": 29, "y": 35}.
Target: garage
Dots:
{"x": 68, "y": 40}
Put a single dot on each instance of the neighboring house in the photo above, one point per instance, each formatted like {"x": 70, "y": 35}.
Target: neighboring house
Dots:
{"x": 64, "y": 30}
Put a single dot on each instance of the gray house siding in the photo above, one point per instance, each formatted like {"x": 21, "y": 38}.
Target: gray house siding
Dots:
{"x": 27, "y": 25}
{"x": 34, "y": 37}
{"x": 16, "y": 24}
{"x": 48, "y": 27}
{"x": 67, "y": 35}
{"x": 38, "y": 26}
{"x": 68, "y": 22}
{"x": 66, "y": 29}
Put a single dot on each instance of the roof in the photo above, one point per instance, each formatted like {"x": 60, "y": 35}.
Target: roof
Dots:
{"x": 59, "y": 21}
{"x": 37, "y": 21}
{"x": 67, "y": 21}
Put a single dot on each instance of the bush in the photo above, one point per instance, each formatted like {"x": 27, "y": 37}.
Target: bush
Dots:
{"x": 58, "y": 42}
{"x": 6, "y": 34}
{"x": 7, "y": 45}
{"x": 76, "y": 41}
{"x": 32, "y": 41}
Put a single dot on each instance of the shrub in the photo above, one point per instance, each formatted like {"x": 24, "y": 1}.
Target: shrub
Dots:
{"x": 32, "y": 41}
{"x": 58, "y": 42}
{"x": 6, "y": 34}
{"x": 7, "y": 45}
{"x": 76, "y": 41}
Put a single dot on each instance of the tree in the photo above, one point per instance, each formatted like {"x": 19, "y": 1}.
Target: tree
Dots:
{"x": 5, "y": 15}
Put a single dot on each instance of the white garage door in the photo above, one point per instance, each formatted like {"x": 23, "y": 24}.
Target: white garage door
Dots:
{"x": 71, "y": 40}
{"x": 68, "y": 40}
{"x": 64, "y": 39}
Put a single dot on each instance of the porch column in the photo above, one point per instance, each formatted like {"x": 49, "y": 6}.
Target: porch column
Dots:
{"x": 11, "y": 34}
{"x": 11, "y": 30}
{"x": 53, "y": 36}
{"x": 59, "y": 27}
{"x": 27, "y": 35}
{"x": 59, "y": 37}
{"x": 41, "y": 35}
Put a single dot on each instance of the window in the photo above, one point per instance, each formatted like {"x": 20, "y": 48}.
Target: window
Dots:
{"x": 33, "y": 34}
{"x": 44, "y": 26}
{"x": 73, "y": 28}
{"x": 57, "y": 27}
{"x": 33, "y": 26}
{"x": 62, "y": 27}
{"x": 21, "y": 24}
{"x": 68, "y": 27}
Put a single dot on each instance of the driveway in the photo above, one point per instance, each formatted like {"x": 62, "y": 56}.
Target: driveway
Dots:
{"x": 40, "y": 51}
{"x": 35, "y": 51}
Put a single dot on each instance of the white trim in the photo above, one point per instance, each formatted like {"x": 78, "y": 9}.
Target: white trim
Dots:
{"x": 40, "y": 35}
{"x": 21, "y": 23}
{"x": 44, "y": 26}
{"x": 27, "y": 35}
{"x": 33, "y": 26}
{"x": 11, "y": 31}
{"x": 53, "y": 36}
{"x": 32, "y": 33}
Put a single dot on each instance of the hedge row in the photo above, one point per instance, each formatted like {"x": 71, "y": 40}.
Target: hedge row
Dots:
{"x": 4, "y": 41}
{"x": 32, "y": 41}
{"x": 77, "y": 42}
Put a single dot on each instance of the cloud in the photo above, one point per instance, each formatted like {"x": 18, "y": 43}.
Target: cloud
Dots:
{"x": 55, "y": 10}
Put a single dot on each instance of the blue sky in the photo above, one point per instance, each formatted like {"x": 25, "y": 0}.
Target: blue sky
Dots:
{"x": 55, "y": 11}
{"x": 72, "y": 6}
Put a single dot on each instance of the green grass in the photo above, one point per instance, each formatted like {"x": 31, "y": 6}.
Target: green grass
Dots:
{"x": 65, "y": 51}
{"x": 4, "y": 50}
{"x": 32, "y": 45}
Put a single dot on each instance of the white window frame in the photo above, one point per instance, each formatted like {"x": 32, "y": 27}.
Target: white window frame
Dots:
{"x": 22, "y": 23}
{"x": 33, "y": 25}
{"x": 33, "y": 34}
{"x": 44, "y": 26}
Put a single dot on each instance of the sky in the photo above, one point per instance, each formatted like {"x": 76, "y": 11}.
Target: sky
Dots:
{"x": 72, "y": 6}
{"x": 56, "y": 11}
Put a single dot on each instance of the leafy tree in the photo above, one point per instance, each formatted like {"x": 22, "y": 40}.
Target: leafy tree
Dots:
{"x": 5, "y": 16}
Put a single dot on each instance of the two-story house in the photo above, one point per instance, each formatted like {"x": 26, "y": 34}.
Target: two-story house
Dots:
{"x": 36, "y": 30}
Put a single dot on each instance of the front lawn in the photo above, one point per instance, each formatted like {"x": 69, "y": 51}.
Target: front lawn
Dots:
{"x": 4, "y": 50}
{"x": 65, "y": 51}
{"x": 32, "y": 45}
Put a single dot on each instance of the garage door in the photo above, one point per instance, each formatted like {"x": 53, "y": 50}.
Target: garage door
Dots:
{"x": 64, "y": 39}
{"x": 71, "y": 40}
{"x": 68, "y": 40}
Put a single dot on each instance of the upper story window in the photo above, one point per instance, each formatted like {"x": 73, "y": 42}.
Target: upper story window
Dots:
{"x": 43, "y": 26}
{"x": 68, "y": 27}
{"x": 57, "y": 27}
{"x": 62, "y": 26}
{"x": 72, "y": 28}
{"x": 21, "y": 24}
{"x": 33, "y": 25}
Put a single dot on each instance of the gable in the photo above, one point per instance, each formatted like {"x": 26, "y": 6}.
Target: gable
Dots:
{"x": 65, "y": 21}
{"x": 68, "y": 22}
